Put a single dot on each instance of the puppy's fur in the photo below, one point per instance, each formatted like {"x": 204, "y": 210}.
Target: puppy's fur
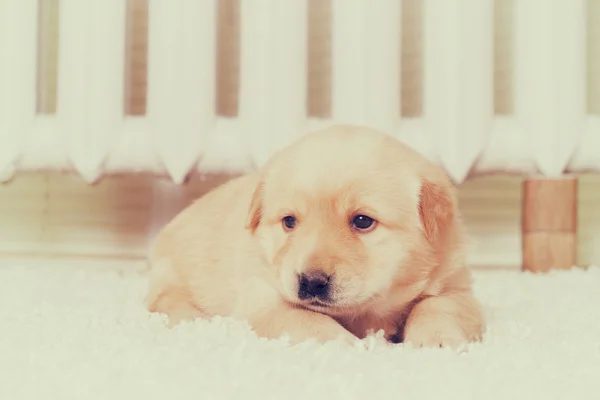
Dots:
{"x": 231, "y": 252}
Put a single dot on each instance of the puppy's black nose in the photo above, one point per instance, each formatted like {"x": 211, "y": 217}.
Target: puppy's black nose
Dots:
{"x": 313, "y": 284}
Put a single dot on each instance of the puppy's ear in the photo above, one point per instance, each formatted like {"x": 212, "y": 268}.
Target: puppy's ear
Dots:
{"x": 255, "y": 211}
{"x": 437, "y": 212}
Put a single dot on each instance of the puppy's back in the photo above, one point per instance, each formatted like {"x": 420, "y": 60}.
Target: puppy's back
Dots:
{"x": 195, "y": 251}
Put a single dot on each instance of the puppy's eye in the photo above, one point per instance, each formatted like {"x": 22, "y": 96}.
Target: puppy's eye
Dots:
{"x": 289, "y": 222}
{"x": 363, "y": 223}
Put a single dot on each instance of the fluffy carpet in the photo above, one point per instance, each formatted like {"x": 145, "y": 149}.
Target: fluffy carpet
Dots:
{"x": 83, "y": 334}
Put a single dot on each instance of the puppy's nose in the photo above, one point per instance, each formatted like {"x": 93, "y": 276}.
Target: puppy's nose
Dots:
{"x": 313, "y": 284}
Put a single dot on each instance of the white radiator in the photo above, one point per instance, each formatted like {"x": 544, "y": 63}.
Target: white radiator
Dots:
{"x": 478, "y": 85}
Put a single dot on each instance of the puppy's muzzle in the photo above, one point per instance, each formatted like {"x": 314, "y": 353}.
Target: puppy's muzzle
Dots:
{"x": 313, "y": 284}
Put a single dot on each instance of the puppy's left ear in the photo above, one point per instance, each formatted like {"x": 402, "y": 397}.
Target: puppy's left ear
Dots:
{"x": 437, "y": 210}
{"x": 255, "y": 211}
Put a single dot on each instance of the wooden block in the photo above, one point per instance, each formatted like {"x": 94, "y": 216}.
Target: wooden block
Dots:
{"x": 550, "y": 205}
{"x": 545, "y": 251}
{"x": 549, "y": 224}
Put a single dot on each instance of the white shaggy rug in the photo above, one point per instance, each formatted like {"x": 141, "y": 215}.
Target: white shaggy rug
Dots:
{"x": 83, "y": 334}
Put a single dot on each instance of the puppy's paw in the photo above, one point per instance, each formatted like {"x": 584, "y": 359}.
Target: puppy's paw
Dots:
{"x": 435, "y": 334}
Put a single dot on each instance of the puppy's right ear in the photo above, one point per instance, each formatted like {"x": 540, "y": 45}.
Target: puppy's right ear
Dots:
{"x": 255, "y": 211}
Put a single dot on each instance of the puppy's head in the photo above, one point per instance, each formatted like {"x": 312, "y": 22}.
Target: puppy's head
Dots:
{"x": 346, "y": 214}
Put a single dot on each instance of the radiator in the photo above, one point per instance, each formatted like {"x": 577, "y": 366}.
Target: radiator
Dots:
{"x": 175, "y": 87}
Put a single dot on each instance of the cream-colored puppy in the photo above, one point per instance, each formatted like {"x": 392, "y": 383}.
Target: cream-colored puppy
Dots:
{"x": 344, "y": 232}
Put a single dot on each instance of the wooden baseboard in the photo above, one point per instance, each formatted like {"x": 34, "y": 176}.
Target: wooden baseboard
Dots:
{"x": 59, "y": 215}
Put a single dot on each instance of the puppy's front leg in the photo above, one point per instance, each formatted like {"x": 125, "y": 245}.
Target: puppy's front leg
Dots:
{"x": 448, "y": 320}
{"x": 299, "y": 324}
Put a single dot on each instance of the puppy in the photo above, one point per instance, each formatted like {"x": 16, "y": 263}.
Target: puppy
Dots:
{"x": 345, "y": 232}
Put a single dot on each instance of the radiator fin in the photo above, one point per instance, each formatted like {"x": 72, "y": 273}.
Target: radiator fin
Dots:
{"x": 181, "y": 81}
